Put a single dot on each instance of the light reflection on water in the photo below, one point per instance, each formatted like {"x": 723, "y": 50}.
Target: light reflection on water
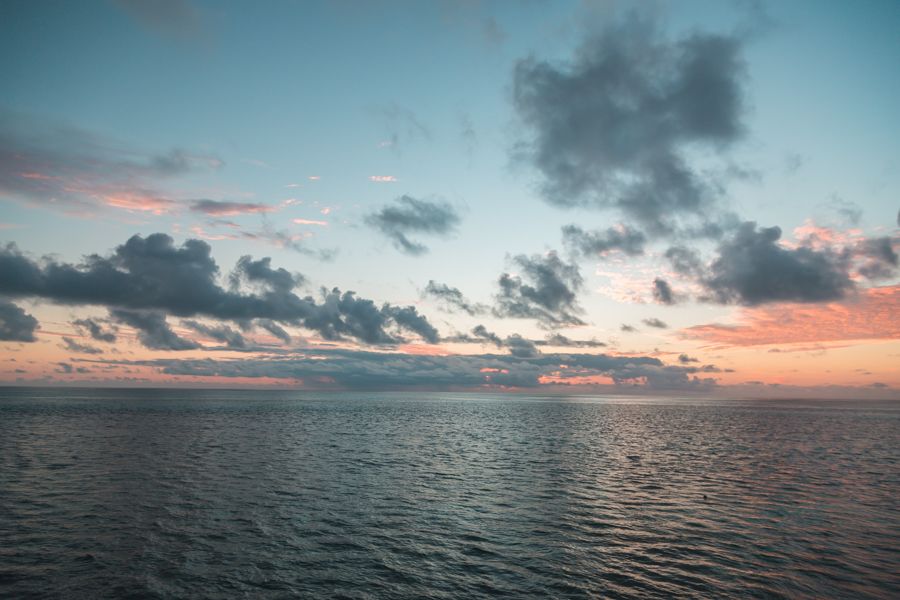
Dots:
{"x": 223, "y": 494}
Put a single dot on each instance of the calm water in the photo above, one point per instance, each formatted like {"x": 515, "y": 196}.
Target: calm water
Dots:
{"x": 246, "y": 494}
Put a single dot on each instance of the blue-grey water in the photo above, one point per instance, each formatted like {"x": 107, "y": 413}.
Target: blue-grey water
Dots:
{"x": 167, "y": 494}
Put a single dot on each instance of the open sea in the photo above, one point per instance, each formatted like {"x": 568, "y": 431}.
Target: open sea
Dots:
{"x": 234, "y": 494}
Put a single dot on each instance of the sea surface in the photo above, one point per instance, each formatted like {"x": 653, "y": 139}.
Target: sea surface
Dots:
{"x": 227, "y": 494}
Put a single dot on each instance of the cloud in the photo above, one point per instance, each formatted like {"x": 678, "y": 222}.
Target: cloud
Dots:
{"x": 58, "y": 166}
{"x": 15, "y": 324}
{"x": 152, "y": 274}
{"x": 614, "y": 127}
{"x": 546, "y": 290}
{"x": 153, "y": 331}
{"x": 453, "y": 298}
{"x": 662, "y": 292}
{"x": 685, "y": 359}
{"x": 412, "y": 216}
{"x": 260, "y": 272}
{"x": 95, "y": 330}
{"x": 220, "y": 333}
{"x": 378, "y": 370}
{"x": 519, "y": 346}
{"x": 592, "y": 243}
{"x": 220, "y": 208}
{"x": 275, "y": 329}
{"x": 515, "y": 343}
{"x": 625, "y": 328}
{"x": 654, "y": 322}
{"x": 402, "y": 126}
{"x": 561, "y": 341}
{"x": 74, "y": 346}
{"x": 871, "y": 314}
{"x": 752, "y": 268}
{"x": 879, "y": 259}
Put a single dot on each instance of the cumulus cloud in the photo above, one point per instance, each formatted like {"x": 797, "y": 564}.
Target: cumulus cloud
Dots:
{"x": 152, "y": 274}
{"x": 878, "y": 256}
{"x": 662, "y": 292}
{"x": 545, "y": 290}
{"x": 752, "y": 268}
{"x": 453, "y": 299}
{"x": 614, "y": 126}
{"x": 153, "y": 330}
{"x": 411, "y": 216}
{"x": 515, "y": 343}
{"x": 16, "y": 325}
{"x": 592, "y": 243}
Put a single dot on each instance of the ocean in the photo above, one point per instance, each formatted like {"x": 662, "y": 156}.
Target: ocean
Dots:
{"x": 245, "y": 494}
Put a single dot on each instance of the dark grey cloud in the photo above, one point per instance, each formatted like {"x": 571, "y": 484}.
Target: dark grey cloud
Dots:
{"x": 546, "y": 290}
{"x": 752, "y": 268}
{"x": 411, "y": 216}
{"x": 592, "y": 243}
{"x": 74, "y": 346}
{"x": 375, "y": 370}
{"x": 520, "y": 346}
{"x": 662, "y": 292}
{"x": 275, "y": 329}
{"x": 95, "y": 329}
{"x": 878, "y": 256}
{"x": 65, "y": 368}
{"x": 152, "y": 274}
{"x": 16, "y": 325}
{"x": 515, "y": 343}
{"x": 654, "y": 322}
{"x": 614, "y": 126}
{"x": 685, "y": 261}
{"x": 685, "y": 359}
{"x": 453, "y": 298}
{"x": 561, "y": 341}
{"x": 260, "y": 272}
{"x": 220, "y": 333}
{"x": 153, "y": 330}
{"x": 625, "y": 328}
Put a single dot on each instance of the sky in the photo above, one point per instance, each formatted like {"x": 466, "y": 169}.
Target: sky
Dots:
{"x": 691, "y": 198}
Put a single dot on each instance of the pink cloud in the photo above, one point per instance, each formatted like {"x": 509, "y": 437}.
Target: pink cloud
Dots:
{"x": 874, "y": 314}
{"x": 217, "y": 208}
{"x": 309, "y": 222}
{"x": 382, "y": 178}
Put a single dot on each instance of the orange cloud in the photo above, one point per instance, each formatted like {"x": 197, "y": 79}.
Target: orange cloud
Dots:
{"x": 874, "y": 314}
